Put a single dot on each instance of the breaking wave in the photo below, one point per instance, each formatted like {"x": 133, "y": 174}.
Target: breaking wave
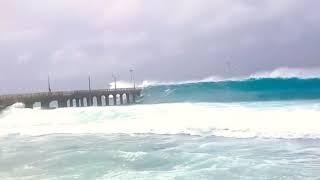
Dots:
{"x": 264, "y": 89}
{"x": 297, "y": 119}
{"x": 278, "y": 73}
{"x": 286, "y": 72}
{"x": 284, "y": 103}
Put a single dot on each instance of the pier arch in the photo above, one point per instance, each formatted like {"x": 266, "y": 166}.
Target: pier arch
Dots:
{"x": 107, "y": 100}
{"x": 36, "y": 104}
{"x": 54, "y": 104}
{"x": 84, "y": 102}
{"x": 124, "y": 98}
{"x": 118, "y": 101}
{"x": 103, "y": 100}
{"x": 94, "y": 101}
{"x": 74, "y": 101}
{"x": 111, "y": 99}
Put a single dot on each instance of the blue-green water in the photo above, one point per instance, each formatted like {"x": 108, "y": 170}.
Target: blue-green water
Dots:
{"x": 150, "y": 156}
{"x": 264, "y": 89}
{"x": 249, "y": 129}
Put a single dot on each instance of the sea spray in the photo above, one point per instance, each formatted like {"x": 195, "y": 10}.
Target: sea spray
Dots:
{"x": 261, "y": 127}
{"x": 297, "y": 119}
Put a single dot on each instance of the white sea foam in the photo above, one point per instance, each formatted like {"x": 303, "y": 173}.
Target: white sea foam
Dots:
{"x": 286, "y": 72}
{"x": 282, "y": 72}
{"x": 121, "y": 84}
{"x": 147, "y": 83}
{"x": 271, "y": 120}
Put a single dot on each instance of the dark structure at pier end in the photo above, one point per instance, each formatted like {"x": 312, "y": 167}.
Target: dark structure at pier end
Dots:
{"x": 81, "y": 98}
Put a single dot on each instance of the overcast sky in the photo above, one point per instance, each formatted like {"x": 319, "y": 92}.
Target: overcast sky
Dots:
{"x": 164, "y": 40}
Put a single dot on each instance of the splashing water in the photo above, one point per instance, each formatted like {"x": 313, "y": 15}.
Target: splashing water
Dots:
{"x": 238, "y": 120}
{"x": 262, "y": 128}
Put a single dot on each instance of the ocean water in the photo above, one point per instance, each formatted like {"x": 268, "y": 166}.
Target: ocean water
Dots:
{"x": 262, "y": 128}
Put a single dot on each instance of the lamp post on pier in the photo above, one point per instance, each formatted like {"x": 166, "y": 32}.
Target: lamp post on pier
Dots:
{"x": 132, "y": 78}
{"x": 115, "y": 81}
{"x": 49, "y": 85}
{"x": 134, "y": 85}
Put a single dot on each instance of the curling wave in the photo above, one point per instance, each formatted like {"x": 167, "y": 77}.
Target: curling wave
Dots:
{"x": 278, "y": 73}
{"x": 263, "y": 89}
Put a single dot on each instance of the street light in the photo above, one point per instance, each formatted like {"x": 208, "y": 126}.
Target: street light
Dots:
{"x": 49, "y": 86}
{"x": 115, "y": 81}
{"x": 89, "y": 83}
{"x": 132, "y": 78}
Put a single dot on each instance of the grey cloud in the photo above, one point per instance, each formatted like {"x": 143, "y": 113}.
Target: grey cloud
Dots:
{"x": 162, "y": 40}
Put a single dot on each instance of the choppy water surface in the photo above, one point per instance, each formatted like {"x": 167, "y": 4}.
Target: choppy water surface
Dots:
{"x": 264, "y": 129}
{"x": 151, "y": 156}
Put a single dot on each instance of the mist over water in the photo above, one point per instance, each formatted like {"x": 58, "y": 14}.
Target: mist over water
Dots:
{"x": 262, "y": 128}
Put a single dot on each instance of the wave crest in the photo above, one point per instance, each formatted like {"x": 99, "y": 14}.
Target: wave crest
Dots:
{"x": 286, "y": 72}
{"x": 280, "y": 73}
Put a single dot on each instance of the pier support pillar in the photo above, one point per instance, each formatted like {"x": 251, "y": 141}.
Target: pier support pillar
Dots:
{"x": 45, "y": 104}
{"x": 89, "y": 101}
{"x": 133, "y": 98}
{"x": 121, "y": 99}
{"x": 114, "y": 99}
{"x": 77, "y": 102}
{"x": 107, "y": 100}
{"x": 99, "y": 102}
{"x": 62, "y": 103}
{"x": 28, "y": 105}
{"x": 128, "y": 98}
{"x": 81, "y": 102}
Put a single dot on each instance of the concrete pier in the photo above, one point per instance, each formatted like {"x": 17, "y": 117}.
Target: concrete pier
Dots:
{"x": 92, "y": 97}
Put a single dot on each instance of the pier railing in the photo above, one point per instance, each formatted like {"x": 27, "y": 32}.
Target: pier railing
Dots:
{"x": 67, "y": 93}
{"x": 124, "y": 95}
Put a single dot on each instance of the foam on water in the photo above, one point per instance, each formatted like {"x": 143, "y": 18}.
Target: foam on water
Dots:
{"x": 288, "y": 119}
{"x": 286, "y": 72}
{"x": 262, "y": 128}
{"x": 281, "y": 72}
{"x": 153, "y": 156}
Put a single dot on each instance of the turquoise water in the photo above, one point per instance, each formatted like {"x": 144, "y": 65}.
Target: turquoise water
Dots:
{"x": 150, "y": 156}
{"x": 264, "y": 89}
{"x": 249, "y": 129}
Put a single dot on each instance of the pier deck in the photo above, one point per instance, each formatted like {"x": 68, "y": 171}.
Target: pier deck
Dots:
{"x": 76, "y": 98}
